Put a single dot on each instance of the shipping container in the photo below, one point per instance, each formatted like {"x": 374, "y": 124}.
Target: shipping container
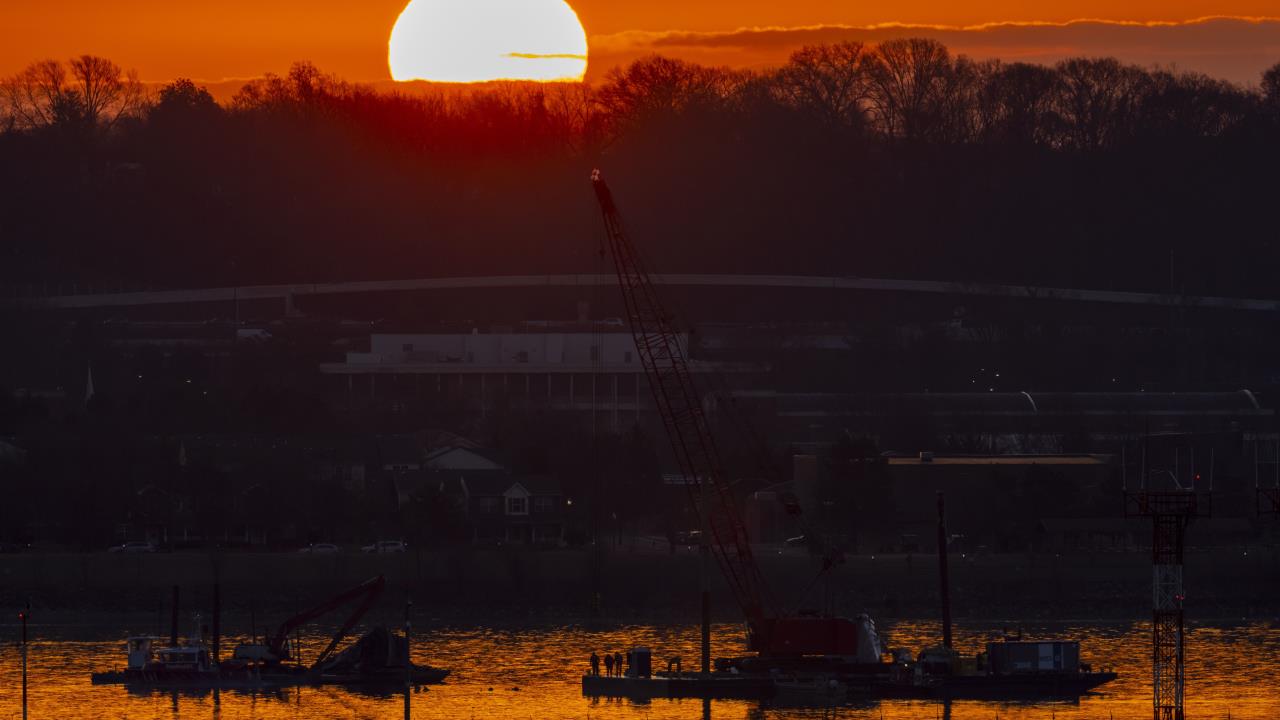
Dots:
{"x": 1053, "y": 656}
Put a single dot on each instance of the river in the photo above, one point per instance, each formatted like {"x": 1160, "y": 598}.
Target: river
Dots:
{"x": 532, "y": 671}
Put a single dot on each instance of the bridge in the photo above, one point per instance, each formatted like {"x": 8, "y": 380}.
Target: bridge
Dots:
{"x": 288, "y": 293}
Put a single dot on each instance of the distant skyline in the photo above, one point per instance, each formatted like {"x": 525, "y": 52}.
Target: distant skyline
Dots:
{"x": 214, "y": 41}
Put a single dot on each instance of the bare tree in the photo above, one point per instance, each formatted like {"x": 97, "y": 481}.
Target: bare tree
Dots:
{"x": 1271, "y": 90}
{"x": 918, "y": 92}
{"x": 657, "y": 85}
{"x": 304, "y": 86}
{"x": 573, "y": 108}
{"x": 831, "y": 81}
{"x": 1016, "y": 103}
{"x": 39, "y": 96}
{"x": 107, "y": 92}
{"x": 1188, "y": 105}
{"x": 1097, "y": 101}
{"x": 90, "y": 91}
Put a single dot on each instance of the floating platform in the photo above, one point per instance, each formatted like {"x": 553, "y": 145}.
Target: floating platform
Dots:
{"x": 716, "y": 686}
{"x": 1037, "y": 686}
{"x": 252, "y": 680}
{"x": 1030, "y": 686}
{"x": 185, "y": 681}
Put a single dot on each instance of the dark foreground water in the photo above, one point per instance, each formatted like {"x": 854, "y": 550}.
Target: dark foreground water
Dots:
{"x": 533, "y": 672}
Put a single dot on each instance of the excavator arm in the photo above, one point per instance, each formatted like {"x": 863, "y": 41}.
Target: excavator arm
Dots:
{"x": 366, "y": 592}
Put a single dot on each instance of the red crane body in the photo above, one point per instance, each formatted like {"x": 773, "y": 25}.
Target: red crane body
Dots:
{"x": 694, "y": 446}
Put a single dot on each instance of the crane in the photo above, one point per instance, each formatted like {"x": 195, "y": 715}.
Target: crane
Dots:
{"x": 771, "y": 634}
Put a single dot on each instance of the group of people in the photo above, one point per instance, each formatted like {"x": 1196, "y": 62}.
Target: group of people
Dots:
{"x": 612, "y": 664}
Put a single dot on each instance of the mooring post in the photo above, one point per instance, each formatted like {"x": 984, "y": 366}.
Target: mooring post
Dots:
{"x": 217, "y": 616}
{"x": 942, "y": 572}
{"x": 408, "y": 657}
{"x": 173, "y": 619}
{"x": 23, "y": 615}
{"x": 705, "y": 552}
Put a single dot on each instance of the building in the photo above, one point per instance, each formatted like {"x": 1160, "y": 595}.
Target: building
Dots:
{"x": 508, "y": 509}
{"x": 585, "y": 372}
{"x": 1000, "y": 422}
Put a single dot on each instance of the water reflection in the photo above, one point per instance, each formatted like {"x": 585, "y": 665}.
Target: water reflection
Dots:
{"x": 534, "y": 672}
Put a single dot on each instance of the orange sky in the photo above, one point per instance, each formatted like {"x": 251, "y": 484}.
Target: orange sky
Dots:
{"x": 216, "y": 39}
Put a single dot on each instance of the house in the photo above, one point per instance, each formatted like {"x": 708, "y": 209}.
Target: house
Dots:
{"x": 463, "y": 459}
{"x": 504, "y": 508}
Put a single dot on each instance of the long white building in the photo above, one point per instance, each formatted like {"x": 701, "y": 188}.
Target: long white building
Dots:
{"x": 596, "y": 372}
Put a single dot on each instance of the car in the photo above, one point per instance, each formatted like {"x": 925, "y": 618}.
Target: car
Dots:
{"x": 7, "y": 548}
{"x": 687, "y": 537}
{"x": 321, "y": 549}
{"x": 383, "y": 547}
{"x": 137, "y": 546}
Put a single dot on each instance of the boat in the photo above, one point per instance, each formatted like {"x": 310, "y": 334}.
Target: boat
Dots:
{"x": 185, "y": 665}
{"x": 1010, "y": 669}
{"x": 379, "y": 659}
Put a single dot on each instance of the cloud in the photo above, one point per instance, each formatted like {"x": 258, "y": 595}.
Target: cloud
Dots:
{"x": 1234, "y": 48}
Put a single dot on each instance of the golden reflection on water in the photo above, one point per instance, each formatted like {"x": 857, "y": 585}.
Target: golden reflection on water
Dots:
{"x": 534, "y": 672}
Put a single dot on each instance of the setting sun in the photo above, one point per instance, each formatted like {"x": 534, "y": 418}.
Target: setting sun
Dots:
{"x": 481, "y": 40}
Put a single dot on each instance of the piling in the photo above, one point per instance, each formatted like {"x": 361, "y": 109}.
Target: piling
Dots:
{"x": 408, "y": 657}
{"x": 23, "y": 615}
{"x": 705, "y": 550}
{"x": 943, "y": 579}
{"x": 217, "y": 619}
{"x": 173, "y": 618}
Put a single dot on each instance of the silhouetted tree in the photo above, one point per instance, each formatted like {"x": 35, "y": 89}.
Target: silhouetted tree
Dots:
{"x": 919, "y": 91}
{"x": 41, "y": 96}
{"x": 182, "y": 97}
{"x": 1016, "y": 104}
{"x": 659, "y": 86}
{"x": 831, "y": 81}
{"x": 1271, "y": 90}
{"x": 107, "y": 92}
{"x": 1097, "y": 102}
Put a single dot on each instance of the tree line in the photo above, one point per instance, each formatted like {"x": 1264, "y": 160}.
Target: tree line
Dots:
{"x": 898, "y": 160}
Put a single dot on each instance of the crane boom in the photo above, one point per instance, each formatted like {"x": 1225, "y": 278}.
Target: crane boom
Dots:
{"x": 680, "y": 406}
{"x": 694, "y": 445}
